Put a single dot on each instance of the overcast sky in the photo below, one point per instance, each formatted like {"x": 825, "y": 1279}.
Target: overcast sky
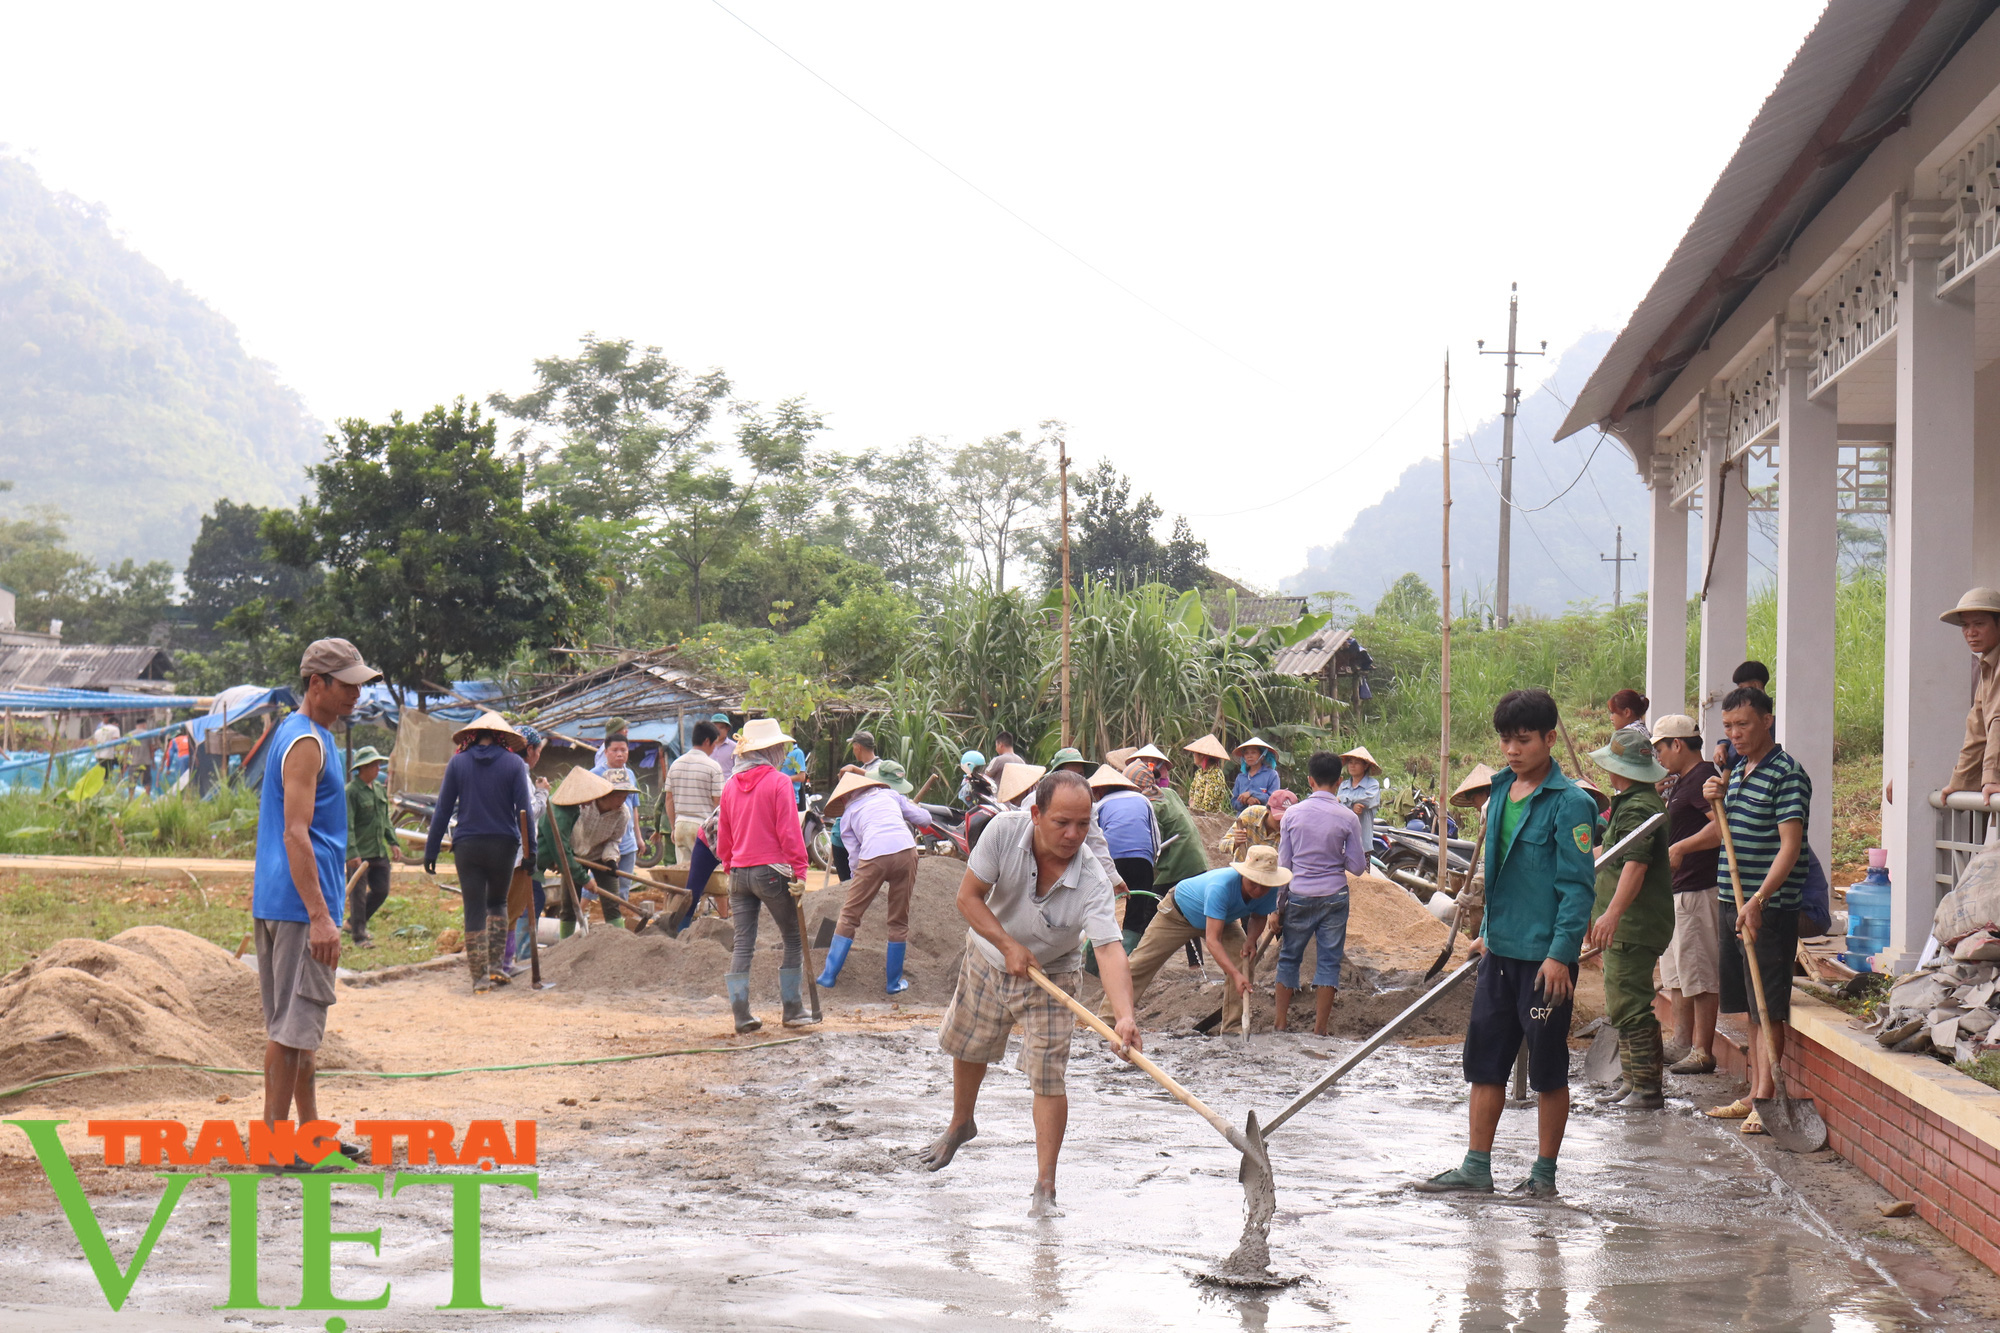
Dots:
{"x": 400, "y": 203}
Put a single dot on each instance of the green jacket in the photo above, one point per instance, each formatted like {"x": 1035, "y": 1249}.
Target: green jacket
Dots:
{"x": 558, "y": 821}
{"x": 1185, "y": 859}
{"x": 1539, "y": 887}
{"x": 1649, "y": 922}
{"x": 368, "y": 834}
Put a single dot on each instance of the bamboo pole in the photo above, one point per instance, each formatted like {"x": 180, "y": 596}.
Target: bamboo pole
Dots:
{"x": 1444, "y": 673}
{"x": 1062, "y": 466}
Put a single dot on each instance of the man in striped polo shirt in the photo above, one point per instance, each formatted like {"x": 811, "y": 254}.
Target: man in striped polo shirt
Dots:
{"x": 1768, "y": 798}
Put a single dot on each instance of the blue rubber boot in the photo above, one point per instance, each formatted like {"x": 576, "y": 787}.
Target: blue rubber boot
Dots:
{"x": 739, "y": 1001}
{"x": 898, "y": 983}
{"x": 836, "y": 958}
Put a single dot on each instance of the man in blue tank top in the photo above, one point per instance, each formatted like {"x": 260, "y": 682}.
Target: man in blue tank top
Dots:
{"x": 298, "y": 898}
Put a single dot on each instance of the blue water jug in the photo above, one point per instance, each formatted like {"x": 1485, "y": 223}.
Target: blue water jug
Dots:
{"x": 1868, "y": 913}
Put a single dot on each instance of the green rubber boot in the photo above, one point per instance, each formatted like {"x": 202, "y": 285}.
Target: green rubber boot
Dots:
{"x": 1647, "y": 1069}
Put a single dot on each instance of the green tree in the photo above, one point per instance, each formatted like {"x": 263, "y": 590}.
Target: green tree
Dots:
{"x": 1112, "y": 541}
{"x": 434, "y": 559}
{"x": 231, "y": 566}
{"x": 999, "y": 487}
{"x": 784, "y": 582}
{"x": 1409, "y": 601}
{"x": 125, "y": 603}
{"x": 608, "y": 418}
{"x": 857, "y": 640}
{"x": 909, "y": 532}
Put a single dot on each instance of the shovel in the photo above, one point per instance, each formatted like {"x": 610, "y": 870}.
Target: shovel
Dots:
{"x": 1248, "y": 1265}
{"x": 1458, "y": 906}
{"x": 1794, "y": 1123}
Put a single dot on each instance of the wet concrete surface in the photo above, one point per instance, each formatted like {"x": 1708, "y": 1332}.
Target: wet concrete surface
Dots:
{"x": 800, "y": 1209}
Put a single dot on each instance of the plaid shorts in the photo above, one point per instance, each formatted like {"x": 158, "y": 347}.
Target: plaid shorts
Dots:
{"x": 987, "y": 1005}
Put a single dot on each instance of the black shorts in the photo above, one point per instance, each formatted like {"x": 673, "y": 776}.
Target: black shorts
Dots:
{"x": 1507, "y": 1009}
{"x": 1777, "y": 943}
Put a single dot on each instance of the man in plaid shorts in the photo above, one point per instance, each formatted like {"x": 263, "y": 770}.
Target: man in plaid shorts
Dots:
{"x": 1032, "y": 894}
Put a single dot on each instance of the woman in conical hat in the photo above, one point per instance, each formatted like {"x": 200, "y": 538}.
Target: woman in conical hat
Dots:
{"x": 486, "y": 787}
{"x": 1209, "y": 795}
{"x": 1360, "y": 789}
{"x": 586, "y": 817}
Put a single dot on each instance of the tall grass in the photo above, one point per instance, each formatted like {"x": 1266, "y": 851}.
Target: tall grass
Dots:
{"x": 111, "y": 824}
{"x": 1860, "y": 628}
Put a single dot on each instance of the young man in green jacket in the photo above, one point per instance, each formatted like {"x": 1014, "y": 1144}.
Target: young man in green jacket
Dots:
{"x": 369, "y": 840}
{"x": 1633, "y": 917}
{"x": 1538, "y": 898}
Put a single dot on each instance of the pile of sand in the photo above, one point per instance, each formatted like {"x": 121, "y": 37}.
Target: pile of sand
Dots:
{"x": 152, "y": 995}
{"x": 608, "y": 961}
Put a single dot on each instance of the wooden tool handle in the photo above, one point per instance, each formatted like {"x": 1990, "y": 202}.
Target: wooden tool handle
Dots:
{"x": 1749, "y": 941}
{"x": 1160, "y": 1076}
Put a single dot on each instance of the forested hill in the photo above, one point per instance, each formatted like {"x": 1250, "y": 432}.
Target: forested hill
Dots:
{"x": 1555, "y": 555}
{"x": 125, "y": 402}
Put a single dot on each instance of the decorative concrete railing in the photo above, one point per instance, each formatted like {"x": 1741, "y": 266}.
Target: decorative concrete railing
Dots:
{"x": 1854, "y": 312}
{"x": 1963, "y": 821}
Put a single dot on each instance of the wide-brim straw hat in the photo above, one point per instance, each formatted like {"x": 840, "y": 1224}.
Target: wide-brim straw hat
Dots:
{"x": 1260, "y": 866}
{"x": 1150, "y": 751}
{"x": 579, "y": 787}
{"x": 1208, "y": 745}
{"x": 1121, "y": 756}
{"x": 761, "y": 733}
{"x": 1017, "y": 780}
{"x": 365, "y": 756}
{"x": 1107, "y": 776}
{"x": 488, "y": 721}
{"x": 1975, "y": 599}
{"x": 1473, "y": 790}
{"x": 1630, "y": 755}
{"x": 1361, "y": 752}
{"x": 1598, "y": 794}
{"x": 849, "y": 784}
{"x": 1259, "y": 742}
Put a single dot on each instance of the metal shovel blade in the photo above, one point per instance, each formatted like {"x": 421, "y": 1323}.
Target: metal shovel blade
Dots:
{"x": 1601, "y": 1063}
{"x": 1249, "y": 1265}
{"x": 1794, "y": 1123}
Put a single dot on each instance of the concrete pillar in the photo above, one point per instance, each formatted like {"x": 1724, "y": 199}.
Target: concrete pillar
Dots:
{"x": 1986, "y": 475}
{"x": 1725, "y": 545}
{"x": 1931, "y": 562}
{"x": 1666, "y": 601}
{"x": 1808, "y": 551}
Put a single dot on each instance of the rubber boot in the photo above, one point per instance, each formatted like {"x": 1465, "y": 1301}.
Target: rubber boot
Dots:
{"x": 1623, "y": 1087}
{"x": 788, "y": 990}
{"x": 898, "y": 983}
{"x": 836, "y": 958}
{"x": 496, "y": 948}
{"x": 1648, "y": 1065}
{"x": 739, "y": 1001}
{"x": 475, "y": 959}
{"x": 357, "y": 906}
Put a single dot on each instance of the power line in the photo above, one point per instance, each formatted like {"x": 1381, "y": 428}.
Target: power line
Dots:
{"x": 979, "y": 190}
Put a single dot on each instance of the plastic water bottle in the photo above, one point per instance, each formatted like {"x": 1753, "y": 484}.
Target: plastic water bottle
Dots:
{"x": 1868, "y": 913}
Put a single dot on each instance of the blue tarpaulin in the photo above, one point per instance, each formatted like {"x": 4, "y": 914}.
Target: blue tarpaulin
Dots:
{"x": 81, "y": 701}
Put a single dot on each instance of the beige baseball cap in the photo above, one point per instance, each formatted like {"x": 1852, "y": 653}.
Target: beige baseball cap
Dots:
{"x": 337, "y": 658}
{"x": 1676, "y": 726}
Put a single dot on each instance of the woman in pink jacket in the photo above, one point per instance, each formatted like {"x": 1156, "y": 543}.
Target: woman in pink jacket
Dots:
{"x": 758, "y": 842}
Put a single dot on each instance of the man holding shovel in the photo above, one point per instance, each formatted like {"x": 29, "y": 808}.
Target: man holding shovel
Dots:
{"x": 1540, "y": 882}
{"x": 1031, "y": 895}
{"x": 1767, "y": 801}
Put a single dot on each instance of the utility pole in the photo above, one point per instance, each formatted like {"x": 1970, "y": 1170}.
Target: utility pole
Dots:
{"x": 1444, "y": 673}
{"x": 1513, "y": 401}
{"x": 1618, "y": 567}
{"x": 1062, "y": 466}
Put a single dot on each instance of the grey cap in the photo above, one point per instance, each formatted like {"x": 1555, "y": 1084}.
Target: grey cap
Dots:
{"x": 337, "y": 658}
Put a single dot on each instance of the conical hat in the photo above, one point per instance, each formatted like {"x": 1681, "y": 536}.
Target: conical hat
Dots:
{"x": 1017, "y": 780}
{"x": 1208, "y": 745}
{"x": 1361, "y": 752}
{"x": 1107, "y": 776}
{"x": 579, "y": 786}
{"x": 849, "y": 784}
{"x": 487, "y": 721}
{"x": 1120, "y": 757}
{"x": 1150, "y": 751}
{"x": 1472, "y": 791}
{"x": 1259, "y": 742}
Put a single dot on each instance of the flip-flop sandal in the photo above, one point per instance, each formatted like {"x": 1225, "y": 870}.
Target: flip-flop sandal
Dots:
{"x": 1754, "y": 1124}
{"x": 1736, "y": 1110}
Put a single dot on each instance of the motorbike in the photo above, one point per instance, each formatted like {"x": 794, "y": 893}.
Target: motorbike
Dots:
{"x": 817, "y": 830}
{"x": 1409, "y": 854}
